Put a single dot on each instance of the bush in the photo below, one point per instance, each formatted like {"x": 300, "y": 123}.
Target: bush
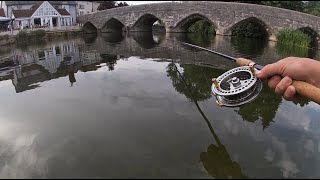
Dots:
{"x": 293, "y": 37}
{"x": 22, "y": 35}
{"x": 5, "y": 37}
{"x": 38, "y": 33}
{"x": 203, "y": 27}
{"x": 249, "y": 30}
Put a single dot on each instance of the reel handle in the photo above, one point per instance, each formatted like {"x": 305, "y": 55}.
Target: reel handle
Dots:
{"x": 303, "y": 88}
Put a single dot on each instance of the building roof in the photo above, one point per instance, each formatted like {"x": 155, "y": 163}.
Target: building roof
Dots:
{"x": 2, "y": 12}
{"x": 63, "y": 12}
{"x": 11, "y": 3}
{"x": 28, "y": 12}
{"x": 22, "y": 13}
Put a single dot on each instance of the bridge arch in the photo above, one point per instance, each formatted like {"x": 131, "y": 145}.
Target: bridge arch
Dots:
{"x": 113, "y": 37}
{"x": 145, "y": 22}
{"x": 89, "y": 28}
{"x": 113, "y": 25}
{"x": 315, "y": 38}
{"x": 148, "y": 40}
{"x": 261, "y": 26}
{"x": 183, "y": 24}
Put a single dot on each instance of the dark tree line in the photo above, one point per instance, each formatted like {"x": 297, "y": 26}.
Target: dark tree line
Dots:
{"x": 111, "y": 4}
{"x": 310, "y": 7}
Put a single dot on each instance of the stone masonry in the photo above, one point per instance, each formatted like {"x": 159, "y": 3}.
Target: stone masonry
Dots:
{"x": 176, "y": 17}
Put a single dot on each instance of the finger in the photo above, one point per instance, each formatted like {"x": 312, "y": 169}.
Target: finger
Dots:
{"x": 290, "y": 93}
{"x": 274, "y": 80}
{"x": 283, "y": 85}
{"x": 270, "y": 70}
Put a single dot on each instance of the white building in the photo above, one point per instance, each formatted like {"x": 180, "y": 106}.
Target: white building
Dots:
{"x": 86, "y": 7}
{"x": 69, "y": 6}
{"x": 41, "y": 14}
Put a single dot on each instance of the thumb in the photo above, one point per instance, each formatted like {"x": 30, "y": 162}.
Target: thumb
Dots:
{"x": 269, "y": 70}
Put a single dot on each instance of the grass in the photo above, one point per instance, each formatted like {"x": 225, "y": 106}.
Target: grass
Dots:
{"x": 293, "y": 37}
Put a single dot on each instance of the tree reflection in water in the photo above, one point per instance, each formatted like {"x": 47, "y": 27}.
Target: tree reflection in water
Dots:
{"x": 89, "y": 38}
{"x": 110, "y": 60}
{"x": 113, "y": 37}
{"x": 249, "y": 47}
{"x": 198, "y": 79}
{"x": 264, "y": 107}
{"x": 216, "y": 160}
{"x": 219, "y": 164}
{"x": 203, "y": 40}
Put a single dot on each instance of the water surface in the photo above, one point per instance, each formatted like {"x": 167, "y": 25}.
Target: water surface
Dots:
{"x": 139, "y": 105}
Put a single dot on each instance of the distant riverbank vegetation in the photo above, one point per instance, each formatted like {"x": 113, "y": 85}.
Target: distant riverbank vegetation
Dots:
{"x": 24, "y": 35}
{"x": 309, "y": 7}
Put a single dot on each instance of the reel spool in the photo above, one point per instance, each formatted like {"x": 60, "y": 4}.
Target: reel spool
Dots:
{"x": 236, "y": 86}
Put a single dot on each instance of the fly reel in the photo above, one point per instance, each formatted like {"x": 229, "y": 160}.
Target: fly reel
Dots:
{"x": 236, "y": 86}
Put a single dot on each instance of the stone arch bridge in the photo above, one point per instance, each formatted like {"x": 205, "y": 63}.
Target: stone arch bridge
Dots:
{"x": 177, "y": 17}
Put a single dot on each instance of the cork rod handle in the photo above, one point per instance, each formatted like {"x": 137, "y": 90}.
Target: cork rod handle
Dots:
{"x": 303, "y": 88}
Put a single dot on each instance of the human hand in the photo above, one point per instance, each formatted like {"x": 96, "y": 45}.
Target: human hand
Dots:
{"x": 283, "y": 72}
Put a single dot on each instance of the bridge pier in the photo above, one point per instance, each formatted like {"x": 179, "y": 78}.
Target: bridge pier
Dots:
{"x": 170, "y": 29}
{"x": 272, "y": 37}
{"x": 223, "y": 32}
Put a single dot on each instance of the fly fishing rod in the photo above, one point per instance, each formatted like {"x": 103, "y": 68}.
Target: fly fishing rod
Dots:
{"x": 240, "y": 85}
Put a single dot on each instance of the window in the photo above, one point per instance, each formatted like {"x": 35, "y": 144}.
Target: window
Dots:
{"x": 41, "y": 55}
{"x": 58, "y": 52}
{"x": 81, "y": 6}
{"x": 46, "y": 9}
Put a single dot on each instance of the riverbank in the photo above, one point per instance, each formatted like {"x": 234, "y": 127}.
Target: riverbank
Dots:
{"x": 8, "y": 38}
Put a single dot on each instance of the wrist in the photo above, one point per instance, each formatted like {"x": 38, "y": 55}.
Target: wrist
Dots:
{"x": 313, "y": 68}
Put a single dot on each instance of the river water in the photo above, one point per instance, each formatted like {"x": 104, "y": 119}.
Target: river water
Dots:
{"x": 139, "y": 105}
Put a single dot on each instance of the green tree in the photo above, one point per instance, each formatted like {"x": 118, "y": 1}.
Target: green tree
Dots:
{"x": 106, "y": 5}
{"x": 312, "y": 7}
{"x": 121, "y": 4}
{"x": 292, "y": 5}
{"x": 110, "y": 4}
{"x": 202, "y": 26}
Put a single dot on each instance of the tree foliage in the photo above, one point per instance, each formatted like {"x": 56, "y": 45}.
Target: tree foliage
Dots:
{"x": 292, "y": 5}
{"x": 312, "y": 7}
{"x": 121, "y": 4}
{"x": 107, "y": 5}
{"x": 111, "y": 4}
